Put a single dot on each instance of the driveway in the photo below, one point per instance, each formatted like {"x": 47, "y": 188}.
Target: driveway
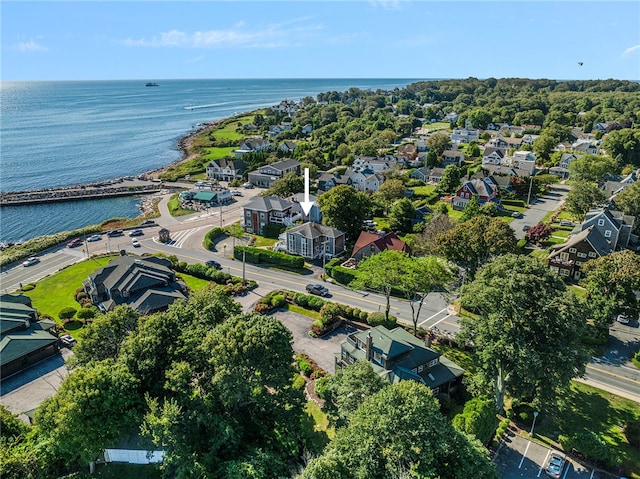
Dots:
{"x": 322, "y": 350}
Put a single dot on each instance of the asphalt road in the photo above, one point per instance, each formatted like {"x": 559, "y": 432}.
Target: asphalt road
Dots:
{"x": 187, "y": 233}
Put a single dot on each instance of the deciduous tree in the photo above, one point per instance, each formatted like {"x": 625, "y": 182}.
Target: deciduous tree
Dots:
{"x": 450, "y": 180}
{"x": 400, "y": 432}
{"x": 610, "y": 282}
{"x": 526, "y": 330}
{"x": 345, "y": 208}
{"x": 288, "y": 185}
{"x": 401, "y": 215}
{"x": 538, "y": 233}
{"x": 592, "y": 167}
{"x": 628, "y": 200}
{"x": 582, "y": 197}
{"x": 438, "y": 142}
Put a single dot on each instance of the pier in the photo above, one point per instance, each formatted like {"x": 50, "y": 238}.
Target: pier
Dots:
{"x": 90, "y": 191}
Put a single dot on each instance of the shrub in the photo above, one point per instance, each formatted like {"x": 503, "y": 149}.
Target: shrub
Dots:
{"x": 478, "y": 418}
{"x": 379, "y": 319}
{"x": 211, "y": 236}
{"x": 305, "y": 367}
{"x": 298, "y": 382}
{"x": 27, "y": 287}
{"x": 67, "y": 313}
{"x": 321, "y": 387}
{"x": 632, "y": 432}
{"x": 258, "y": 256}
{"x": 330, "y": 313}
{"x": 588, "y": 443}
{"x": 278, "y": 301}
{"x": 86, "y": 313}
{"x": 262, "y": 308}
{"x": 80, "y": 296}
{"x": 363, "y": 316}
{"x": 524, "y": 413}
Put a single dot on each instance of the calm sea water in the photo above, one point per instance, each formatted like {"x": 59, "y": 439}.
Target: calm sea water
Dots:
{"x": 64, "y": 133}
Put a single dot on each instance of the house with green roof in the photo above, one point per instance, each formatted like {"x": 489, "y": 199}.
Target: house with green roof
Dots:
{"x": 24, "y": 340}
{"x": 146, "y": 284}
{"x": 396, "y": 355}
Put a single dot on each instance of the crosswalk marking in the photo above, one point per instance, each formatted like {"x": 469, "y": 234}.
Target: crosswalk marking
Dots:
{"x": 178, "y": 238}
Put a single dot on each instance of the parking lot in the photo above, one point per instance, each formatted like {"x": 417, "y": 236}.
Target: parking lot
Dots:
{"x": 519, "y": 458}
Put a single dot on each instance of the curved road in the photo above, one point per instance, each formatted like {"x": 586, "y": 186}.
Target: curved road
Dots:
{"x": 187, "y": 232}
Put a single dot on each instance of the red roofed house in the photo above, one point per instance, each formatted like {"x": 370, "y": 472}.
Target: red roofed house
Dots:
{"x": 483, "y": 188}
{"x": 369, "y": 244}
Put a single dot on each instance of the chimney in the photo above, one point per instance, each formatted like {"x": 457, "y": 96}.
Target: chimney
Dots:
{"x": 369, "y": 347}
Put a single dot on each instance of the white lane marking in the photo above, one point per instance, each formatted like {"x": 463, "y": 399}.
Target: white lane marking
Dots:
{"x": 432, "y": 316}
{"x": 545, "y": 461}
{"x": 524, "y": 454}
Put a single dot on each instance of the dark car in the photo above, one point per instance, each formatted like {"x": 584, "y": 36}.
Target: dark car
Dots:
{"x": 213, "y": 264}
{"x": 148, "y": 222}
{"x": 74, "y": 243}
{"x": 317, "y": 289}
{"x": 526, "y": 228}
{"x": 113, "y": 233}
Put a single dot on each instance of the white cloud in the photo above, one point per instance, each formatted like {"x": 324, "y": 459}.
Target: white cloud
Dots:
{"x": 30, "y": 46}
{"x": 283, "y": 34}
{"x": 630, "y": 50}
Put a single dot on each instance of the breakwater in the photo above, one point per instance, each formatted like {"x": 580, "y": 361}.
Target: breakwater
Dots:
{"x": 108, "y": 189}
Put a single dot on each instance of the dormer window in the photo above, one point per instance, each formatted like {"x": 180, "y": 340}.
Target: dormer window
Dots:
{"x": 600, "y": 222}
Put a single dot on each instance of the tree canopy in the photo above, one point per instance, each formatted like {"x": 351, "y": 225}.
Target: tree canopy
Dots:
{"x": 400, "y": 432}
{"x": 526, "y": 330}
{"x": 345, "y": 208}
{"x": 582, "y": 197}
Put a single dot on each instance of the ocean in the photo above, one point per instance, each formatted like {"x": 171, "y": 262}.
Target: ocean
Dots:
{"x": 64, "y": 133}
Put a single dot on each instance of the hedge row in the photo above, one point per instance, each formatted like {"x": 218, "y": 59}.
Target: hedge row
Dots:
{"x": 211, "y": 236}
{"x": 202, "y": 271}
{"x": 257, "y": 256}
{"x": 41, "y": 243}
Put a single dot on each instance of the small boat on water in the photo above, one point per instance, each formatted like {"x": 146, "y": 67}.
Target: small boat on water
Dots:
{"x": 152, "y": 84}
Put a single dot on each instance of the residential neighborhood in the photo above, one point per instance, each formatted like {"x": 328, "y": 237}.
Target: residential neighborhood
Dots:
{"x": 481, "y": 266}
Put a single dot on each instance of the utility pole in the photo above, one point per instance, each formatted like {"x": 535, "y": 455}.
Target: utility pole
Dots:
{"x": 530, "y": 186}
{"x": 220, "y": 214}
{"x": 324, "y": 259}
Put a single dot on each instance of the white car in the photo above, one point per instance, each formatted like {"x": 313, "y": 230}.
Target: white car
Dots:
{"x": 30, "y": 261}
{"x": 93, "y": 238}
{"x": 623, "y": 319}
{"x": 135, "y": 243}
{"x": 68, "y": 340}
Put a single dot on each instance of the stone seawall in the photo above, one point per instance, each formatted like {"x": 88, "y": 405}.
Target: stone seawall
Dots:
{"x": 110, "y": 189}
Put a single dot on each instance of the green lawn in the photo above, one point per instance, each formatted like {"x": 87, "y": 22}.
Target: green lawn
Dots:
{"x": 194, "y": 283}
{"x": 58, "y": 291}
{"x": 261, "y": 241}
{"x": 174, "y": 207}
{"x": 423, "y": 190}
{"x": 216, "y": 152}
{"x": 599, "y": 411}
{"x": 294, "y": 308}
{"x": 438, "y": 125}
{"x": 320, "y": 419}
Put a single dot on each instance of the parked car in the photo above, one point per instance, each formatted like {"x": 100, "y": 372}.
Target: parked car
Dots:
{"x": 74, "y": 243}
{"x": 526, "y": 228}
{"x": 93, "y": 238}
{"x": 113, "y": 233}
{"x": 566, "y": 223}
{"x": 248, "y": 185}
{"x": 516, "y": 214}
{"x": 317, "y": 289}
{"x": 236, "y": 193}
{"x": 67, "y": 340}
{"x": 136, "y": 232}
{"x": 213, "y": 264}
{"x": 30, "y": 261}
{"x": 623, "y": 319}
{"x": 148, "y": 222}
{"x": 555, "y": 464}
{"x": 135, "y": 243}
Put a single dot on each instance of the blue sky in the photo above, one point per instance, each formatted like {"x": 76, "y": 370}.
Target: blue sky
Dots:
{"x": 90, "y": 40}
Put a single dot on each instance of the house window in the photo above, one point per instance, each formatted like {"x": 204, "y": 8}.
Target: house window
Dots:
{"x": 433, "y": 362}
{"x": 351, "y": 360}
{"x": 564, "y": 256}
{"x": 572, "y": 250}
{"x": 344, "y": 354}
{"x": 564, "y": 272}
{"x": 582, "y": 255}
{"x": 261, "y": 216}
{"x": 377, "y": 357}
{"x": 421, "y": 368}
{"x": 248, "y": 222}
{"x": 579, "y": 263}
{"x": 248, "y": 214}
{"x": 600, "y": 222}
{"x": 607, "y": 234}
{"x": 592, "y": 254}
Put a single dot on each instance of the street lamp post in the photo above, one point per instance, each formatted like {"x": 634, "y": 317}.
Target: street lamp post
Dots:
{"x": 535, "y": 415}
{"x": 324, "y": 259}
